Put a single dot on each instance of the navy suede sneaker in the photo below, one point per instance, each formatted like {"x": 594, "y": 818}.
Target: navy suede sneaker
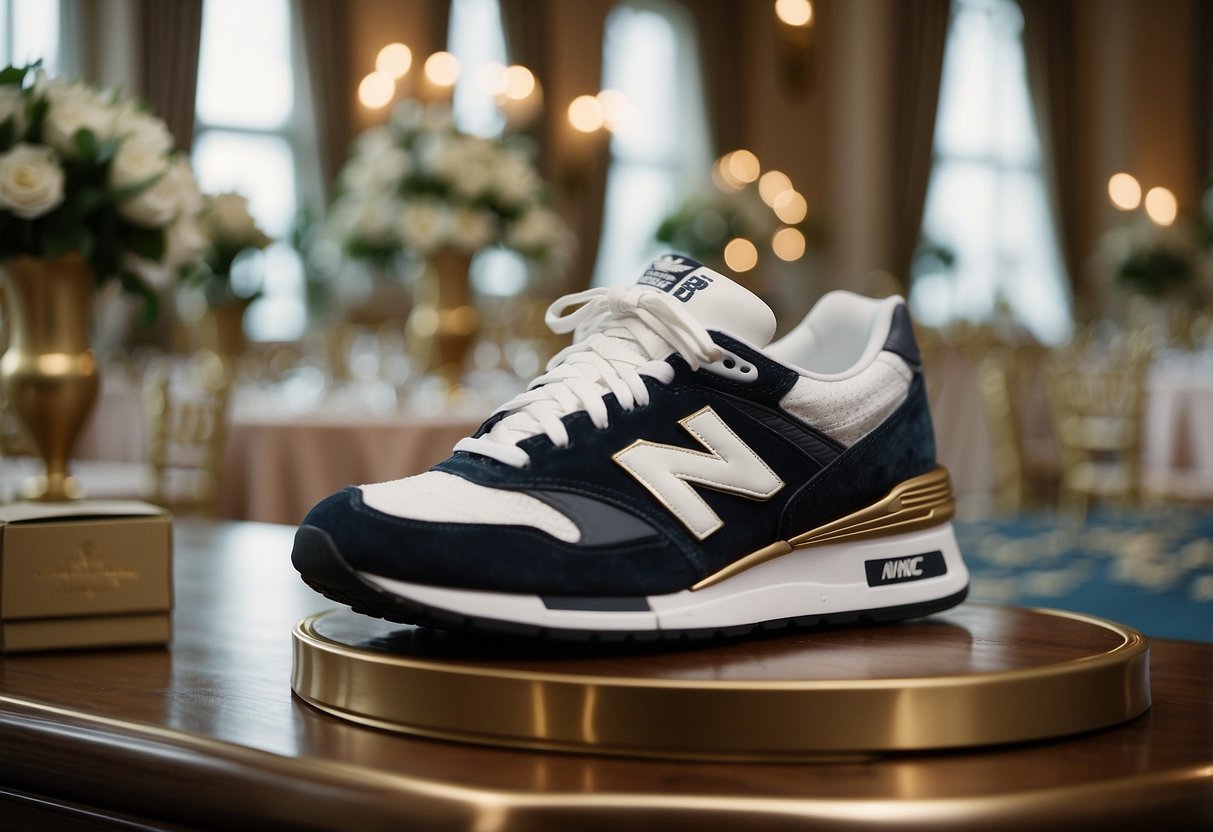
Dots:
{"x": 671, "y": 473}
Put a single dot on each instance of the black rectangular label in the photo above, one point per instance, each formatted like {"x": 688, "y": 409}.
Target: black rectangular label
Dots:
{"x": 905, "y": 568}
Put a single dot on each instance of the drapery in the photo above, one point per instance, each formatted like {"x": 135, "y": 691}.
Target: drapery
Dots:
{"x": 527, "y": 42}
{"x": 1202, "y": 56}
{"x": 920, "y": 31}
{"x": 169, "y": 38}
{"x": 718, "y": 27}
{"x": 575, "y": 165}
{"x": 1048, "y": 43}
{"x": 324, "y": 25}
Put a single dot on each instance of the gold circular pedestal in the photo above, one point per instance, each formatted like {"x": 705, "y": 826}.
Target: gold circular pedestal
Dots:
{"x": 976, "y": 675}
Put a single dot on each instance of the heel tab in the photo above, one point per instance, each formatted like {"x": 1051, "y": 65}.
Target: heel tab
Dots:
{"x": 900, "y": 340}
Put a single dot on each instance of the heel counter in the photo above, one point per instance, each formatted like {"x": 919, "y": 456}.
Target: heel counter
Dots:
{"x": 901, "y": 448}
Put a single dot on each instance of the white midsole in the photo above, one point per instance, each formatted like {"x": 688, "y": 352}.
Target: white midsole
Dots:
{"x": 819, "y": 580}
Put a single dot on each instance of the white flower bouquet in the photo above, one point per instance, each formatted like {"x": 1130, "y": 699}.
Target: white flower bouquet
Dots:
{"x": 84, "y": 170}
{"x": 417, "y": 185}
{"x": 229, "y": 231}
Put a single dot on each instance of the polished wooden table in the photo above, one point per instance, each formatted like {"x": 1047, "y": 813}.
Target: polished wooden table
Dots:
{"x": 208, "y": 735}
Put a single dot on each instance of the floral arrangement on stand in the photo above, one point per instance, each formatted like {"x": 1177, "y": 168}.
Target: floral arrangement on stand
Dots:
{"x": 730, "y": 225}
{"x": 417, "y": 185}
{"x": 230, "y": 231}
{"x": 1151, "y": 260}
{"x": 418, "y": 190}
{"x": 84, "y": 170}
{"x": 91, "y": 191}
{"x": 1165, "y": 268}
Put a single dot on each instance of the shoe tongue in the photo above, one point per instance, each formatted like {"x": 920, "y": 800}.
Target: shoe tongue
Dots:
{"x": 711, "y": 298}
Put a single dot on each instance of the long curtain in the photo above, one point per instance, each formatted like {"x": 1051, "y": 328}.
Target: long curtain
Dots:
{"x": 718, "y": 27}
{"x": 1048, "y": 42}
{"x": 527, "y": 42}
{"x": 169, "y": 39}
{"x": 920, "y": 30}
{"x": 1202, "y": 57}
{"x": 325, "y": 28}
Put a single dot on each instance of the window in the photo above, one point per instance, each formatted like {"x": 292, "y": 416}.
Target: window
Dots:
{"x": 477, "y": 40}
{"x": 251, "y": 138}
{"x": 658, "y": 150}
{"x": 987, "y": 202}
{"x": 29, "y": 31}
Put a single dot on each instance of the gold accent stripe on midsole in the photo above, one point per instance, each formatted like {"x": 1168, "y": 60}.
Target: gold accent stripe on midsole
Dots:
{"x": 917, "y": 503}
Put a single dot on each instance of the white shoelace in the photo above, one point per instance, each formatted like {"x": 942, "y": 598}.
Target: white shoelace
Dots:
{"x": 620, "y": 335}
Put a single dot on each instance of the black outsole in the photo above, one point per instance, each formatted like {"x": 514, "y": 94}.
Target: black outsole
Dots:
{"x": 323, "y": 568}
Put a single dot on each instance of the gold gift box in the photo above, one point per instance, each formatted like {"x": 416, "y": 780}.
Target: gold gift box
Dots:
{"x": 89, "y": 573}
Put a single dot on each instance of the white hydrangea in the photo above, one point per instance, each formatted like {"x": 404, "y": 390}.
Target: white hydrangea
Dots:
{"x": 425, "y": 225}
{"x": 472, "y": 229}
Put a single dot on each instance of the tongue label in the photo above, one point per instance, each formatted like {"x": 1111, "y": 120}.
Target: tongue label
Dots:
{"x": 693, "y": 283}
{"x": 664, "y": 272}
{"x": 680, "y": 276}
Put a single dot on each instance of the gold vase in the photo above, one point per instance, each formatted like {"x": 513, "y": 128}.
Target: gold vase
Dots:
{"x": 222, "y": 328}
{"x": 49, "y": 373}
{"x": 443, "y": 325}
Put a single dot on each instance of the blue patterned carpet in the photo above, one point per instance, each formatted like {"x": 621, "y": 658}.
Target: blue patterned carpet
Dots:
{"x": 1151, "y": 569}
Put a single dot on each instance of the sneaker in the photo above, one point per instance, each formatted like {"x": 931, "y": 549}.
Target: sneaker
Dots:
{"x": 671, "y": 473}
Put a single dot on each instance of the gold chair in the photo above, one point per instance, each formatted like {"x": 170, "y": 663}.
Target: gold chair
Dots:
{"x": 1026, "y": 463}
{"x": 188, "y": 415}
{"x": 1096, "y": 392}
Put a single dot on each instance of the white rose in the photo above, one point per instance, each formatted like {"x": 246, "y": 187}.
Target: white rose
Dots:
{"x": 142, "y": 128}
{"x": 341, "y": 219}
{"x": 229, "y": 216}
{"x": 425, "y": 226}
{"x": 376, "y": 221}
{"x": 190, "y": 200}
{"x": 438, "y": 117}
{"x": 514, "y": 180}
{"x": 136, "y": 163}
{"x": 377, "y": 173}
{"x": 538, "y": 230}
{"x": 73, "y": 107}
{"x": 12, "y": 105}
{"x": 184, "y": 242}
{"x": 407, "y": 115}
{"x": 153, "y": 207}
{"x": 472, "y": 229}
{"x": 31, "y": 180}
{"x": 373, "y": 141}
{"x": 474, "y": 177}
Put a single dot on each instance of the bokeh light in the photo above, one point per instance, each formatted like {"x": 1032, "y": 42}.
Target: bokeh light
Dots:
{"x": 395, "y": 59}
{"x": 585, "y": 114}
{"x": 771, "y": 184}
{"x": 743, "y": 166}
{"x": 740, "y": 255}
{"x": 1124, "y": 191}
{"x": 1161, "y": 206}
{"x": 442, "y": 69}
{"x": 794, "y": 12}
{"x": 519, "y": 82}
{"x": 788, "y": 244}
{"x": 791, "y": 207}
{"x": 376, "y": 90}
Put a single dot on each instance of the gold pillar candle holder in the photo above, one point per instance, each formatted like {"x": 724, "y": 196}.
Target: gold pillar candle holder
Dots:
{"x": 49, "y": 373}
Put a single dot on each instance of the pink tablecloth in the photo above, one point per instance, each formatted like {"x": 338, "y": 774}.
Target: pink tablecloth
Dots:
{"x": 279, "y": 467}
{"x": 1177, "y": 440}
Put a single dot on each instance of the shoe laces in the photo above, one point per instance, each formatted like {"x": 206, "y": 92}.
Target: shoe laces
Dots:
{"x": 620, "y": 335}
